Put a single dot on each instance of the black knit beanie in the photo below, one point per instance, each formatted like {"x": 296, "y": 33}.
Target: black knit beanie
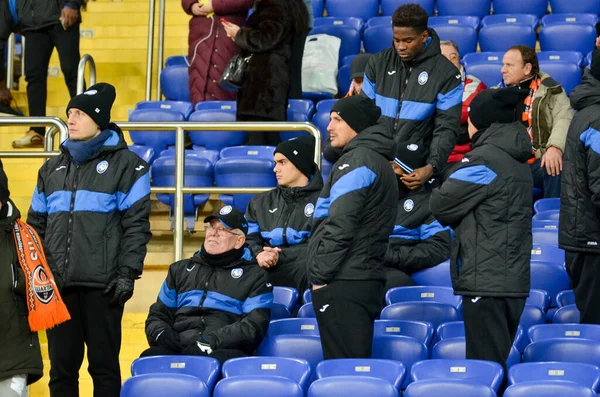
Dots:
{"x": 4, "y": 193}
{"x": 501, "y": 105}
{"x": 96, "y": 102}
{"x": 301, "y": 152}
{"x": 357, "y": 111}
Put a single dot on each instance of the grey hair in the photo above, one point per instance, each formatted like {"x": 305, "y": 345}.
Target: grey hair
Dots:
{"x": 450, "y": 43}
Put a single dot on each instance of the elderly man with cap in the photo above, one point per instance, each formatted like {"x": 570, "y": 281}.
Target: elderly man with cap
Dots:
{"x": 579, "y": 225}
{"x": 91, "y": 208}
{"x": 487, "y": 200}
{"x": 353, "y": 219}
{"x": 216, "y": 303}
{"x": 279, "y": 220}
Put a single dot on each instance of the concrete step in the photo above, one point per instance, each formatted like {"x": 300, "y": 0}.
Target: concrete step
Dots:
{"x": 130, "y": 31}
{"x": 172, "y": 18}
{"x": 131, "y": 6}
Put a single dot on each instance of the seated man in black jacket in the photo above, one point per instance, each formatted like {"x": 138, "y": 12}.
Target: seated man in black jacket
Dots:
{"x": 418, "y": 241}
{"x": 353, "y": 219}
{"x": 279, "y": 220}
{"x": 217, "y": 303}
{"x": 487, "y": 200}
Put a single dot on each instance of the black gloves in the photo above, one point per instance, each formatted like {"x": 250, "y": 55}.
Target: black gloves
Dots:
{"x": 121, "y": 287}
{"x": 198, "y": 348}
{"x": 169, "y": 339}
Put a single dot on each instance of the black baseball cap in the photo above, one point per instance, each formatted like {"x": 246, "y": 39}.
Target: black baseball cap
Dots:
{"x": 230, "y": 217}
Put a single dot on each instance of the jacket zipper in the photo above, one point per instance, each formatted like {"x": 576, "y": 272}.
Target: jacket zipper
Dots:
{"x": 402, "y": 89}
{"x": 204, "y": 295}
{"x": 287, "y": 214}
{"x": 70, "y": 227}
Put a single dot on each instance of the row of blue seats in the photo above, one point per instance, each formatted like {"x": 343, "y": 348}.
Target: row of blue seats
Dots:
{"x": 366, "y": 9}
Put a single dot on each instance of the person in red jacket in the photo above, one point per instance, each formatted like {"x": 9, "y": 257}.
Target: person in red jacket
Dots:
{"x": 209, "y": 47}
{"x": 472, "y": 87}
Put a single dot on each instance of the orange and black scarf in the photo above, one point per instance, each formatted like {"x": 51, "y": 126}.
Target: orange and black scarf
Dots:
{"x": 44, "y": 303}
{"x": 527, "y": 116}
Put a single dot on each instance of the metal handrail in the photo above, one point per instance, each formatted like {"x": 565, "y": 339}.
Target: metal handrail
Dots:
{"x": 161, "y": 47}
{"x": 85, "y": 59}
{"x": 150, "y": 50}
{"x": 57, "y": 126}
{"x": 10, "y": 61}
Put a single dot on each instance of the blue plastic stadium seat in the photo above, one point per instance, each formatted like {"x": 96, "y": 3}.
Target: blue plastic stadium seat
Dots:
{"x": 294, "y": 326}
{"x": 350, "y": 37}
{"x": 244, "y": 386}
{"x": 364, "y": 9}
{"x": 302, "y": 106}
{"x": 216, "y": 140}
{"x": 545, "y": 236}
{"x": 567, "y": 315}
{"x": 157, "y": 140}
{"x": 455, "y": 20}
{"x": 321, "y": 120}
{"x": 549, "y": 278}
{"x": 286, "y": 296}
{"x": 263, "y": 152}
{"x": 580, "y": 6}
{"x": 552, "y": 215}
{"x": 294, "y": 369}
{"x": 538, "y": 298}
{"x": 325, "y": 106}
{"x": 526, "y": 19}
{"x": 350, "y": 22}
{"x": 279, "y": 311}
{"x": 451, "y": 329}
{"x": 485, "y": 66}
{"x": 564, "y": 298}
{"x": 531, "y": 316}
{"x": 483, "y": 372}
{"x": 438, "y": 275}
{"x": 318, "y": 8}
{"x": 431, "y": 312}
{"x": 391, "y": 371}
{"x": 160, "y": 385}
{"x": 502, "y": 36}
{"x": 544, "y": 224}
{"x": 546, "y": 204}
{"x": 448, "y": 387}
{"x": 535, "y": 7}
{"x": 342, "y": 386}
{"x": 344, "y": 79}
{"x": 204, "y": 368}
{"x": 377, "y": 38}
{"x": 564, "y": 350}
{"x": 144, "y": 152}
{"x": 325, "y": 167}
{"x": 306, "y": 311}
{"x": 566, "y": 330}
{"x": 296, "y": 114}
{"x": 550, "y": 19}
{"x": 479, "y": 8}
{"x": 423, "y": 294}
{"x": 548, "y": 253}
{"x": 561, "y": 56}
{"x": 185, "y": 108}
{"x": 385, "y": 20}
{"x": 521, "y": 339}
{"x": 230, "y": 106}
{"x": 197, "y": 151}
{"x": 568, "y": 74}
{"x": 584, "y": 374}
{"x": 558, "y": 37}
{"x": 178, "y": 60}
{"x": 465, "y": 36}
{"x": 316, "y": 96}
{"x": 174, "y": 82}
{"x": 306, "y": 296}
{"x": 389, "y": 6}
{"x": 450, "y": 349}
{"x": 419, "y": 330}
{"x": 296, "y": 346}
{"x": 399, "y": 348}
{"x": 347, "y": 60}
{"x": 548, "y": 389}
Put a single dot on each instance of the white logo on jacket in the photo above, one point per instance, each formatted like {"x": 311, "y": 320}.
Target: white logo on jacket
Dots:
{"x": 423, "y": 77}
{"x": 409, "y": 205}
{"x": 464, "y": 160}
{"x": 91, "y": 92}
{"x": 237, "y": 272}
{"x": 341, "y": 167}
{"x": 309, "y": 210}
{"x": 273, "y": 210}
{"x": 102, "y": 167}
{"x": 393, "y": 72}
{"x": 412, "y": 147}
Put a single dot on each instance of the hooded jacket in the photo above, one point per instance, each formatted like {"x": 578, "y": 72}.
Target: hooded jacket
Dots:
{"x": 227, "y": 305}
{"x": 93, "y": 218}
{"x": 487, "y": 200}
{"x": 20, "y": 348}
{"x": 282, "y": 218}
{"x": 39, "y": 14}
{"x": 355, "y": 212}
{"x": 579, "y": 221}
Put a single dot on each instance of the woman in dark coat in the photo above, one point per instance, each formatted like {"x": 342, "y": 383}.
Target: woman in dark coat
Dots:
{"x": 268, "y": 36}
{"x": 209, "y": 48}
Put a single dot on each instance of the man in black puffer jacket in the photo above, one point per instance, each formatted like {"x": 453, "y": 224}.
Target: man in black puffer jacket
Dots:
{"x": 487, "y": 200}
{"x": 91, "y": 208}
{"x": 217, "y": 303}
{"x": 279, "y": 220}
{"x": 353, "y": 219}
{"x": 579, "y": 225}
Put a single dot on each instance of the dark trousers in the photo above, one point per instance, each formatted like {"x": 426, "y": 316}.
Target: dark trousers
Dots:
{"x": 584, "y": 271}
{"x": 542, "y": 180}
{"x": 40, "y": 44}
{"x": 397, "y": 278}
{"x": 96, "y": 324}
{"x": 346, "y": 311}
{"x": 295, "y": 67}
{"x": 290, "y": 274}
{"x": 221, "y": 355}
{"x": 490, "y": 328}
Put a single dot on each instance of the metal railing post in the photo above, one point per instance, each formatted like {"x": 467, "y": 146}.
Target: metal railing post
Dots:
{"x": 150, "y": 52}
{"x": 85, "y": 59}
{"x": 23, "y": 55}
{"x": 10, "y": 61}
{"x": 56, "y": 126}
{"x": 179, "y": 173}
{"x": 161, "y": 48}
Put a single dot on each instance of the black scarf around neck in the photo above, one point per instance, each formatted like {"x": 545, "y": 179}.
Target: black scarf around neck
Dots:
{"x": 221, "y": 260}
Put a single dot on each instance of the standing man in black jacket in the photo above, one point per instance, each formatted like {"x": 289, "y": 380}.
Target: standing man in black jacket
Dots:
{"x": 91, "y": 208}
{"x": 353, "y": 219}
{"x": 487, "y": 200}
{"x": 279, "y": 220}
{"x": 47, "y": 24}
{"x": 579, "y": 224}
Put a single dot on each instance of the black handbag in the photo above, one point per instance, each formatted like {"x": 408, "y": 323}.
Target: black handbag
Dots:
{"x": 233, "y": 75}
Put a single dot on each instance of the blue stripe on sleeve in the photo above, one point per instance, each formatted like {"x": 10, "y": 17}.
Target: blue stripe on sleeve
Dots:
{"x": 274, "y": 237}
{"x": 38, "y": 202}
{"x": 217, "y": 301}
{"x": 253, "y": 228}
{"x": 405, "y": 233}
{"x": 430, "y": 230}
{"x": 168, "y": 296}
{"x": 86, "y": 200}
{"x": 139, "y": 190}
{"x": 263, "y": 301}
{"x": 478, "y": 174}
{"x": 247, "y": 254}
{"x": 591, "y": 139}
{"x": 296, "y": 236}
{"x": 356, "y": 179}
{"x": 416, "y": 110}
{"x": 450, "y": 99}
{"x": 59, "y": 201}
{"x": 389, "y": 106}
{"x": 368, "y": 87}
{"x": 189, "y": 298}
